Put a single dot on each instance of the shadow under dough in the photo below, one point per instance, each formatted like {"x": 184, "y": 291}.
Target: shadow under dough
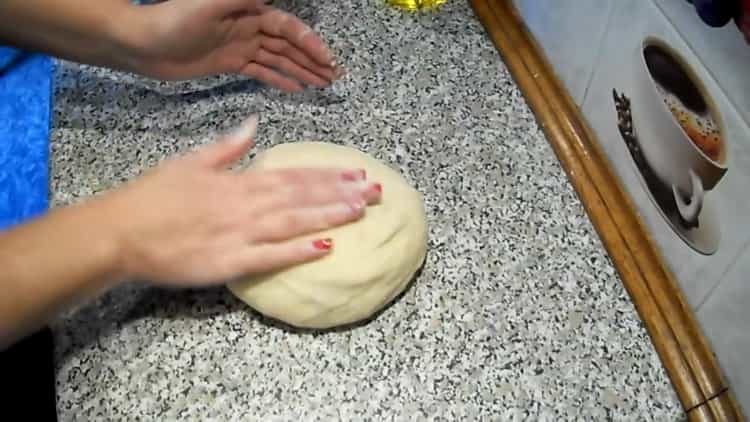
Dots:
{"x": 137, "y": 301}
{"x": 275, "y": 323}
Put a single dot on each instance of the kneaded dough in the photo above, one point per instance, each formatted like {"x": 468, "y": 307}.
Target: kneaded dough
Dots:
{"x": 372, "y": 261}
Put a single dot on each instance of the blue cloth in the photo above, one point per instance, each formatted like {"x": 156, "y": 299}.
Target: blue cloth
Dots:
{"x": 25, "y": 124}
{"x": 8, "y": 56}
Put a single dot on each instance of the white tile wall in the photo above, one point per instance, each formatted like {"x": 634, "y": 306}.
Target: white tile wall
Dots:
{"x": 591, "y": 46}
{"x": 726, "y": 322}
{"x": 570, "y": 32}
{"x": 698, "y": 274}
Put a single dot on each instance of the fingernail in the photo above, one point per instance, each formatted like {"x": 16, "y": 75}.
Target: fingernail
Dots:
{"x": 305, "y": 32}
{"x": 246, "y": 130}
{"x": 359, "y": 205}
{"x": 354, "y": 175}
{"x": 377, "y": 187}
{"x": 323, "y": 244}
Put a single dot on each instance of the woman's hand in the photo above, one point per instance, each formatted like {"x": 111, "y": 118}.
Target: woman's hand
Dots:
{"x": 181, "y": 39}
{"x": 193, "y": 222}
{"x": 174, "y": 39}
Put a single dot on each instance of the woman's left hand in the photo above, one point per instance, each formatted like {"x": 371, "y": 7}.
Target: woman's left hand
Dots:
{"x": 194, "y": 38}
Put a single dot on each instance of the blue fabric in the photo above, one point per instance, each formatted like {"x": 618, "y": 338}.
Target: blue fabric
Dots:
{"x": 25, "y": 123}
{"x": 8, "y": 56}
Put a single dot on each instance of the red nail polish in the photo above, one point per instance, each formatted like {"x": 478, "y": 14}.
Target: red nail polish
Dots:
{"x": 323, "y": 244}
{"x": 349, "y": 176}
{"x": 378, "y": 187}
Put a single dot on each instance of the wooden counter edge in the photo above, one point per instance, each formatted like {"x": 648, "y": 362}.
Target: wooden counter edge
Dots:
{"x": 671, "y": 324}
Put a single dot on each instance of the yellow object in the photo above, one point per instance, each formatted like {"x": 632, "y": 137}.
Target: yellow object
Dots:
{"x": 414, "y": 5}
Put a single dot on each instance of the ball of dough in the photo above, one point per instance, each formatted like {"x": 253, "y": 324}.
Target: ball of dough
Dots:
{"x": 373, "y": 259}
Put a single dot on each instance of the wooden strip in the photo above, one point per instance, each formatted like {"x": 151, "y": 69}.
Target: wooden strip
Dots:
{"x": 724, "y": 407}
{"x": 700, "y": 414}
{"x": 660, "y": 303}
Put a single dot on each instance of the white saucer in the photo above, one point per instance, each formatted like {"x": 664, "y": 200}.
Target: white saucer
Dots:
{"x": 703, "y": 239}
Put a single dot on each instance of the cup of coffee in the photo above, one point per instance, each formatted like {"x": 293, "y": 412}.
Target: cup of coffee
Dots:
{"x": 678, "y": 125}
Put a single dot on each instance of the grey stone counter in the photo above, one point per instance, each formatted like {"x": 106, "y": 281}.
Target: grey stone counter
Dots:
{"x": 518, "y": 315}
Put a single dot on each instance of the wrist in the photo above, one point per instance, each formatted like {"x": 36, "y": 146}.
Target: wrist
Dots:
{"x": 106, "y": 234}
{"x": 74, "y": 30}
{"x": 128, "y": 35}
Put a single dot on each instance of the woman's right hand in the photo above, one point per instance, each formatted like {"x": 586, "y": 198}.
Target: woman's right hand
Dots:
{"x": 193, "y": 222}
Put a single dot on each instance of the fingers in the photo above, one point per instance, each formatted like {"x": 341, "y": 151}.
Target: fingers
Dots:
{"x": 273, "y": 241}
{"x": 279, "y": 24}
{"x": 286, "y": 53}
{"x": 271, "y": 77}
{"x": 232, "y": 147}
{"x": 289, "y": 67}
{"x": 310, "y": 187}
{"x": 284, "y": 48}
{"x": 356, "y": 194}
{"x": 272, "y": 189}
{"x": 272, "y": 180}
{"x": 296, "y": 222}
{"x": 275, "y": 256}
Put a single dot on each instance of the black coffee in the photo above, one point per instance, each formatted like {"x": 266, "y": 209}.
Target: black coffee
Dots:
{"x": 685, "y": 100}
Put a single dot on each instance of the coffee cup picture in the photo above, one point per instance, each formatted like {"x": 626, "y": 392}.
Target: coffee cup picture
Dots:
{"x": 679, "y": 127}
{"x": 657, "y": 113}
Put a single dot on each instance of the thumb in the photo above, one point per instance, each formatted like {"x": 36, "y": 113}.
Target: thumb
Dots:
{"x": 232, "y": 147}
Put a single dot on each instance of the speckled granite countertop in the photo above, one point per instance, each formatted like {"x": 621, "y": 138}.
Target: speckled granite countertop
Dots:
{"x": 518, "y": 314}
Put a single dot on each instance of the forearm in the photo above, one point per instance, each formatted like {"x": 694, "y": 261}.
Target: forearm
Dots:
{"x": 97, "y": 33}
{"x": 52, "y": 263}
